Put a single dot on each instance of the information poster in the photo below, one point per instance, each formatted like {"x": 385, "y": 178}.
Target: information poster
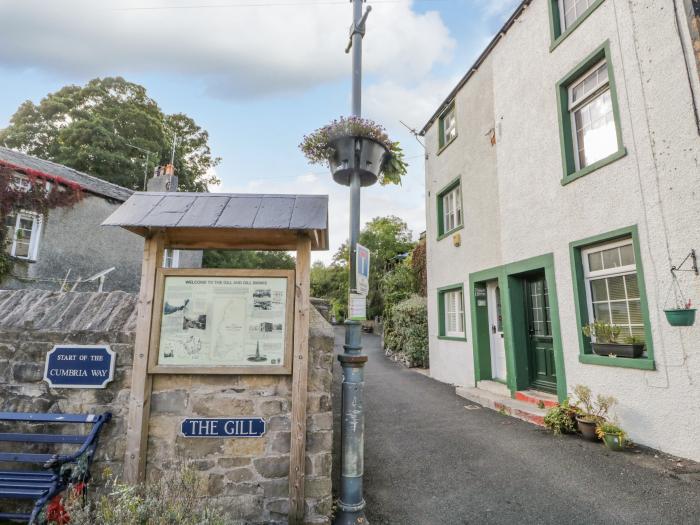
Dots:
{"x": 214, "y": 321}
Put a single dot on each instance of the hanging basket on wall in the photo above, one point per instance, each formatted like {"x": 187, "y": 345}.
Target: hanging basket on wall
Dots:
{"x": 683, "y": 314}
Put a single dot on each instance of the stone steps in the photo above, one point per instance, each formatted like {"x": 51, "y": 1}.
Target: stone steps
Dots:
{"x": 524, "y": 410}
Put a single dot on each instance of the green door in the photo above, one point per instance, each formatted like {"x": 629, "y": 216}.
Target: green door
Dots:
{"x": 541, "y": 348}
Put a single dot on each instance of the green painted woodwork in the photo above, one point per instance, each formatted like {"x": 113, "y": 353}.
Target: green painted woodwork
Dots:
{"x": 440, "y": 209}
{"x": 566, "y": 139}
{"x": 441, "y": 312}
{"x": 441, "y": 129}
{"x": 555, "y": 22}
{"x": 542, "y": 365}
{"x": 586, "y": 354}
{"x": 510, "y": 280}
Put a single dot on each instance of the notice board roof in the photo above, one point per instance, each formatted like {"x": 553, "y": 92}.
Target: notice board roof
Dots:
{"x": 226, "y": 220}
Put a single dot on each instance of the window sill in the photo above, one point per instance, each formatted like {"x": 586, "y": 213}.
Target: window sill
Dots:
{"x": 593, "y": 167}
{"x": 450, "y": 338}
{"x": 640, "y": 363}
{"x": 572, "y": 28}
{"x": 447, "y": 234}
{"x": 444, "y": 146}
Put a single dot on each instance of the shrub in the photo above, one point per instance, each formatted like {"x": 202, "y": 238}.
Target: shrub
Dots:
{"x": 589, "y": 409}
{"x": 175, "y": 497}
{"x": 406, "y": 330}
{"x": 560, "y": 418}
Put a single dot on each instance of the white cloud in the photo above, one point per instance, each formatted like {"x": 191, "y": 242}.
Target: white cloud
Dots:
{"x": 498, "y": 8}
{"x": 245, "y": 51}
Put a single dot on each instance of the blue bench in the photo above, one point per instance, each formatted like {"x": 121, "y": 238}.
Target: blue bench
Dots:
{"x": 52, "y": 473}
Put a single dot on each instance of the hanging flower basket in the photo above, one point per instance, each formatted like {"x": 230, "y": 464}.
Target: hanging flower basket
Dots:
{"x": 681, "y": 317}
{"x": 353, "y": 144}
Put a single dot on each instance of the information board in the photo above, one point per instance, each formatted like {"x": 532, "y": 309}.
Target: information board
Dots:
{"x": 219, "y": 319}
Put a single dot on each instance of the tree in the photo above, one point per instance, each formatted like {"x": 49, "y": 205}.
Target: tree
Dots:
{"x": 389, "y": 242}
{"x": 98, "y": 128}
{"x": 331, "y": 283}
{"x": 248, "y": 259}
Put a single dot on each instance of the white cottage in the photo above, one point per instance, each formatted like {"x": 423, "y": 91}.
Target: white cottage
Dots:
{"x": 562, "y": 184}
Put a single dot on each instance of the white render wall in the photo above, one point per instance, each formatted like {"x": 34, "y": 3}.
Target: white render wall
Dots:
{"x": 515, "y": 206}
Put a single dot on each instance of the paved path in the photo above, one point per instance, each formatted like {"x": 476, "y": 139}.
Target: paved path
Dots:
{"x": 431, "y": 461}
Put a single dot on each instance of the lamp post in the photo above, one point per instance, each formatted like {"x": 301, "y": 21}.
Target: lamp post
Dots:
{"x": 351, "y": 503}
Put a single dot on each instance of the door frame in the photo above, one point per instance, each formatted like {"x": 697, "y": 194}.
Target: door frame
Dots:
{"x": 509, "y": 277}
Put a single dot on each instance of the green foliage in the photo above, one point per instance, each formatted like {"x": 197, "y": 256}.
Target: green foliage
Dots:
{"x": 592, "y": 410}
{"x": 331, "y": 283}
{"x": 602, "y": 332}
{"x": 398, "y": 284}
{"x": 318, "y": 146}
{"x": 174, "y": 497}
{"x": 93, "y": 128}
{"x": 560, "y": 418}
{"x": 611, "y": 428}
{"x": 406, "y": 329}
{"x": 419, "y": 262}
{"x": 248, "y": 259}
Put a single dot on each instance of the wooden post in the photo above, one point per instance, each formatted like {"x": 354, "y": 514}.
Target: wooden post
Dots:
{"x": 300, "y": 372}
{"x": 141, "y": 380}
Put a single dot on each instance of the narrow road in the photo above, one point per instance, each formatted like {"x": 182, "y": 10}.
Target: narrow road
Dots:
{"x": 431, "y": 461}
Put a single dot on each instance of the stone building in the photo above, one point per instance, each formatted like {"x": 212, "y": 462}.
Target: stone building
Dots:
{"x": 68, "y": 245}
{"x": 562, "y": 185}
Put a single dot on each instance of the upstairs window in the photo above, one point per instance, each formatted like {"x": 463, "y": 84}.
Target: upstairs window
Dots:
{"x": 23, "y": 231}
{"x": 450, "y": 208}
{"x": 448, "y": 127}
{"x": 572, "y": 10}
{"x": 566, "y": 15}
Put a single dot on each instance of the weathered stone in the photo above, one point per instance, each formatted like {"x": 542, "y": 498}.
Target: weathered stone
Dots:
{"x": 202, "y": 464}
{"x": 218, "y": 406}
{"x": 278, "y": 423}
{"x": 233, "y": 462}
{"x": 27, "y": 372}
{"x": 170, "y": 402}
{"x": 322, "y": 421}
{"x": 317, "y": 487}
{"x": 275, "y": 488}
{"x": 275, "y": 467}
{"x": 245, "y": 447}
{"x": 7, "y": 351}
{"x": 317, "y": 442}
{"x": 196, "y": 448}
{"x": 279, "y": 442}
{"x": 272, "y": 407}
{"x": 240, "y": 474}
{"x": 280, "y": 506}
{"x": 215, "y": 484}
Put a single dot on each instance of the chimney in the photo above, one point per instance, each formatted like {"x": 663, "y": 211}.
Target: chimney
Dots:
{"x": 163, "y": 179}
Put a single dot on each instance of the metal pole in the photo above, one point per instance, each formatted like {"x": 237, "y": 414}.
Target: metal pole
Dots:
{"x": 351, "y": 503}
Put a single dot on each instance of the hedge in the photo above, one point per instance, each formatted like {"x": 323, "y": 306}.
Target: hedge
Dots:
{"x": 406, "y": 330}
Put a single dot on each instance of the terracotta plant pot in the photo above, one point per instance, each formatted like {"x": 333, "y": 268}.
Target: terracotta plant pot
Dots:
{"x": 587, "y": 429}
{"x": 357, "y": 153}
{"x": 684, "y": 317}
{"x": 618, "y": 349}
{"x": 614, "y": 442}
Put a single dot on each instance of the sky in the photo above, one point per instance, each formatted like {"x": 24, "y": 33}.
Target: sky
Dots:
{"x": 258, "y": 75}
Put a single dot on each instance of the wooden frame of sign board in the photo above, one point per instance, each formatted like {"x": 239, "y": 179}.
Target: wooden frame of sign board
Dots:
{"x": 154, "y": 367}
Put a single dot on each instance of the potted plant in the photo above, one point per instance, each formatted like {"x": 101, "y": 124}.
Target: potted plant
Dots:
{"x": 682, "y": 315}
{"x": 605, "y": 341}
{"x": 590, "y": 413}
{"x": 612, "y": 435}
{"x": 561, "y": 418}
{"x": 352, "y": 144}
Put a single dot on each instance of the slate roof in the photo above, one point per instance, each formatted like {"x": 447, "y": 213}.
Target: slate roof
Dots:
{"x": 33, "y": 165}
{"x": 226, "y": 211}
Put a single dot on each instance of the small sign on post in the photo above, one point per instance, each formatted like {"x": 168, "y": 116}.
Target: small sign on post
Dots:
{"x": 79, "y": 366}
{"x": 357, "y": 307}
{"x": 223, "y": 427}
{"x": 362, "y": 270}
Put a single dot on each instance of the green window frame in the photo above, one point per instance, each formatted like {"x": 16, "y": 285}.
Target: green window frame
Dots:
{"x": 586, "y": 354}
{"x": 442, "y": 231}
{"x": 442, "y": 313}
{"x": 443, "y": 139}
{"x": 556, "y": 24}
{"x": 566, "y": 131}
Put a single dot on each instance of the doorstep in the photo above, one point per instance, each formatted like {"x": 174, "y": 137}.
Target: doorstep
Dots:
{"x": 527, "y": 411}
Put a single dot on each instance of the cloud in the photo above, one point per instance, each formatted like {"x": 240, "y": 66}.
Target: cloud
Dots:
{"x": 498, "y": 8}
{"x": 251, "y": 50}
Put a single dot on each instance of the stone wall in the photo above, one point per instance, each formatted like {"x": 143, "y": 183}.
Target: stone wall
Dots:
{"x": 248, "y": 476}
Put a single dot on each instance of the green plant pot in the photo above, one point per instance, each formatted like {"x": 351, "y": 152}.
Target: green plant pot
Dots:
{"x": 684, "y": 317}
{"x": 614, "y": 442}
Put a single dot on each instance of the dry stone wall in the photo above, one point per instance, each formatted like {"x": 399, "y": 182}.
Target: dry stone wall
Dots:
{"x": 246, "y": 476}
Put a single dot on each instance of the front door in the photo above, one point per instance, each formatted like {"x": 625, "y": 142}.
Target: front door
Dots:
{"x": 498, "y": 350}
{"x": 541, "y": 348}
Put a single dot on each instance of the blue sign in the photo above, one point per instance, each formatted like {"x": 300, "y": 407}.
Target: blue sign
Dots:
{"x": 79, "y": 366}
{"x": 224, "y": 427}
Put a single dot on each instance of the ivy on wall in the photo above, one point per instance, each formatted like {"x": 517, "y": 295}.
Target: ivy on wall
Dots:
{"x": 42, "y": 195}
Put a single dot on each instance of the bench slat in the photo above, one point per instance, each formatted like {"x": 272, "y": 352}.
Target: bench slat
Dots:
{"x": 22, "y": 493}
{"x": 36, "y": 485}
{"x": 23, "y": 474}
{"x": 25, "y": 458}
{"x": 42, "y": 438}
{"x": 48, "y": 418}
{"x": 14, "y": 516}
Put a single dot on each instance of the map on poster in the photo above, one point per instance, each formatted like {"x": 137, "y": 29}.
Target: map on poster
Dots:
{"x": 226, "y": 321}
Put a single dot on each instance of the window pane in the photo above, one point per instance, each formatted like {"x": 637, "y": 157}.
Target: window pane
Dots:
{"x": 616, "y": 288}
{"x": 618, "y": 310}
{"x": 595, "y": 261}
{"x": 632, "y": 286}
{"x": 595, "y": 130}
{"x": 601, "y": 312}
{"x": 638, "y": 332}
{"x": 635, "y": 308}
{"x": 627, "y": 254}
{"x": 611, "y": 258}
{"x": 599, "y": 291}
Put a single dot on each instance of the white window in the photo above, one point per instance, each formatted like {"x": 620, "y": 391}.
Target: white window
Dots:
{"x": 449, "y": 127}
{"x": 612, "y": 289}
{"x": 171, "y": 259}
{"x": 592, "y": 117}
{"x": 454, "y": 313}
{"x": 452, "y": 209}
{"x": 21, "y": 183}
{"x": 23, "y": 232}
{"x": 571, "y": 10}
